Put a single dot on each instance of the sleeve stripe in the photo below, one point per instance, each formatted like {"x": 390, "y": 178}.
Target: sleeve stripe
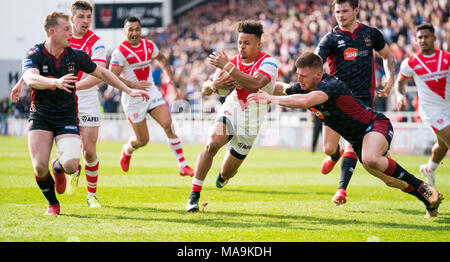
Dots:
{"x": 116, "y": 65}
{"x": 99, "y": 60}
{"x": 407, "y": 77}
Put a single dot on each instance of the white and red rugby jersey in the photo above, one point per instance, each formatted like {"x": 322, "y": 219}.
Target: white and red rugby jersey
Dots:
{"x": 264, "y": 63}
{"x": 92, "y": 45}
{"x": 136, "y": 61}
{"x": 431, "y": 75}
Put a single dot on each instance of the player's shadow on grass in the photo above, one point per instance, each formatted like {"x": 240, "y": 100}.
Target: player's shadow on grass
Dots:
{"x": 275, "y": 192}
{"x": 443, "y": 218}
{"x": 219, "y": 219}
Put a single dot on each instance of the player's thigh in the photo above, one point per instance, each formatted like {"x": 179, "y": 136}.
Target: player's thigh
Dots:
{"x": 162, "y": 116}
{"x": 330, "y": 139}
{"x": 374, "y": 146}
{"x": 218, "y": 136}
{"x": 40, "y": 144}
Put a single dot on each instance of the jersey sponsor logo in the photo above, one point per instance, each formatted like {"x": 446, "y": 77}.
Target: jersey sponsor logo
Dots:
{"x": 90, "y": 119}
{"x": 350, "y": 53}
{"x": 71, "y": 127}
{"x": 244, "y": 146}
{"x": 136, "y": 115}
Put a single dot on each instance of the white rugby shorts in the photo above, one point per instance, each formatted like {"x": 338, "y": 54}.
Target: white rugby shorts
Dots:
{"x": 89, "y": 110}
{"x": 137, "y": 109}
{"x": 242, "y": 125}
{"x": 436, "y": 116}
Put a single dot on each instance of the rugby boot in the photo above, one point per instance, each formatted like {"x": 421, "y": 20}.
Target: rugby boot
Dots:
{"x": 73, "y": 181}
{"x": 340, "y": 197}
{"x": 432, "y": 210}
{"x": 328, "y": 164}
{"x": 192, "y": 205}
{"x": 93, "y": 202}
{"x": 125, "y": 161}
{"x": 60, "y": 176}
{"x": 220, "y": 182}
{"x": 53, "y": 210}
{"x": 186, "y": 171}
{"x": 428, "y": 173}
{"x": 429, "y": 193}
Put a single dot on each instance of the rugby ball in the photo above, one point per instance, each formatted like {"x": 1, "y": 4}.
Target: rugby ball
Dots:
{"x": 224, "y": 91}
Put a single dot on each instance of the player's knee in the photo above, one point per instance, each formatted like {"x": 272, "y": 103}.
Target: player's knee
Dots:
{"x": 40, "y": 169}
{"x": 69, "y": 151}
{"x": 70, "y": 166}
{"x": 371, "y": 161}
{"x": 212, "y": 147}
{"x": 142, "y": 141}
{"x": 329, "y": 150}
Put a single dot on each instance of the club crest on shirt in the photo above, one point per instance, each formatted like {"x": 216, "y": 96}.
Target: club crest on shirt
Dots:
{"x": 367, "y": 40}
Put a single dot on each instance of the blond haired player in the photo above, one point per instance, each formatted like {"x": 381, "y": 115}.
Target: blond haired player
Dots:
{"x": 50, "y": 69}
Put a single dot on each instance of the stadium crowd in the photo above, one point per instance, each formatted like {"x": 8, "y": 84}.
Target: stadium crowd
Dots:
{"x": 290, "y": 26}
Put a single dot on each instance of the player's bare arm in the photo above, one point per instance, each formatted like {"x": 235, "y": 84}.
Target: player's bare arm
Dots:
{"x": 17, "y": 90}
{"x": 251, "y": 83}
{"x": 90, "y": 81}
{"x": 164, "y": 63}
{"x": 34, "y": 80}
{"x": 293, "y": 101}
{"x": 111, "y": 79}
{"x": 389, "y": 69}
{"x": 400, "y": 88}
{"x": 280, "y": 89}
{"x": 141, "y": 85}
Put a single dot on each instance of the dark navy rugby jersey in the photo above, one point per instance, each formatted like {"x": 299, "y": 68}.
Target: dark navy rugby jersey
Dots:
{"x": 55, "y": 103}
{"x": 342, "y": 112}
{"x": 350, "y": 57}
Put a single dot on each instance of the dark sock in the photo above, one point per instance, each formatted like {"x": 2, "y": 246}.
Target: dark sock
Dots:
{"x": 336, "y": 155}
{"x": 395, "y": 170}
{"x": 348, "y": 164}
{"x": 47, "y": 186}
{"x": 220, "y": 178}
{"x": 410, "y": 190}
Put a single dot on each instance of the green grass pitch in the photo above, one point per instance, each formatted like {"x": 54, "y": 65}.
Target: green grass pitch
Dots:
{"x": 278, "y": 195}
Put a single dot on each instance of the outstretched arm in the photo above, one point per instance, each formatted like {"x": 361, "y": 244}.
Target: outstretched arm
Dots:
{"x": 294, "y": 101}
{"x": 389, "y": 69}
{"x": 111, "y": 79}
{"x": 90, "y": 81}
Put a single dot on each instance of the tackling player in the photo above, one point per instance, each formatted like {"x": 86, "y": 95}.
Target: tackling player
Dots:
{"x": 370, "y": 133}
{"x": 349, "y": 50}
{"x": 237, "y": 123}
{"x": 131, "y": 62}
{"x": 431, "y": 72}
{"x": 50, "y": 69}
